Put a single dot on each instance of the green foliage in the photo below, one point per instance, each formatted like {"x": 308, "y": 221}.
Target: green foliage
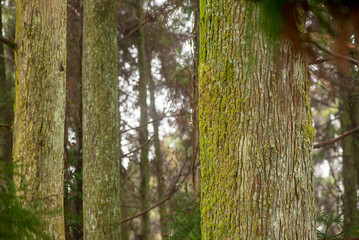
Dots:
{"x": 15, "y": 221}
{"x": 186, "y": 219}
{"x": 331, "y": 220}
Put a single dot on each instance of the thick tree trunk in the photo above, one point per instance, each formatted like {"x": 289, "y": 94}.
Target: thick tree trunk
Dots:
{"x": 158, "y": 156}
{"x": 349, "y": 118}
{"x": 40, "y": 109}
{"x": 256, "y": 133}
{"x": 144, "y": 73}
{"x": 101, "y": 156}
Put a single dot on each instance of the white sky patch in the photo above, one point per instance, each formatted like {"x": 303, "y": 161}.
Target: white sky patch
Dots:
{"x": 322, "y": 169}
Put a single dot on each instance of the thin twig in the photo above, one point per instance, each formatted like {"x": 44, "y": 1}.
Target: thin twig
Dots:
{"x": 7, "y": 59}
{"x": 349, "y": 59}
{"x": 132, "y": 31}
{"x": 173, "y": 190}
{"x": 150, "y": 122}
{"x": 326, "y": 143}
{"x": 137, "y": 149}
{"x": 321, "y": 60}
{"x": 8, "y": 42}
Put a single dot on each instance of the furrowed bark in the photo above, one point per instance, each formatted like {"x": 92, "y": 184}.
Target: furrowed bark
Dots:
{"x": 256, "y": 134}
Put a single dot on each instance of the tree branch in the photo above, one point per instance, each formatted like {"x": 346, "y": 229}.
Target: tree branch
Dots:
{"x": 6, "y": 127}
{"x": 132, "y": 31}
{"x": 326, "y": 143}
{"x": 349, "y": 59}
{"x": 8, "y": 42}
{"x": 7, "y": 59}
{"x": 168, "y": 197}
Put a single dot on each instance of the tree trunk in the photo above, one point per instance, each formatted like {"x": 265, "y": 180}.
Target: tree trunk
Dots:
{"x": 144, "y": 73}
{"x": 196, "y": 165}
{"x": 256, "y": 133}
{"x": 6, "y": 107}
{"x": 40, "y": 109}
{"x": 158, "y": 156}
{"x": 101, "y": 155}
{"x": 73, "y": 163}
{"x": 349, "y": 118}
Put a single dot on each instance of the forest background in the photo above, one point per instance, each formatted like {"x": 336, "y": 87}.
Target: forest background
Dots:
{"x": 158, "y": 146}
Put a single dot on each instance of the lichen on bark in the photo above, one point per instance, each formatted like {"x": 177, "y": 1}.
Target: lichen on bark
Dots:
{"x": 255, "y": 130}
{"x": 40, "y": 109}
{"x": 101, "y": 156}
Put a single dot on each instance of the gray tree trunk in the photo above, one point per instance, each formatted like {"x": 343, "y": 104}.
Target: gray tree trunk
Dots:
{"x": 101, "y": 155}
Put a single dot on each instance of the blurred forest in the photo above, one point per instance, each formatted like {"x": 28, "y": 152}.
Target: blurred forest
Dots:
{"x": 158, "y": 58}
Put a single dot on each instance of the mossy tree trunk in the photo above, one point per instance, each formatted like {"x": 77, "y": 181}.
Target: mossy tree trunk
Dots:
{"x": 256, "y": 133}
{"x": 101, "y": 155}
{"x": 349, "y": 118}
{"x": 144, "y": 73}
{"x": 40, "y": 109}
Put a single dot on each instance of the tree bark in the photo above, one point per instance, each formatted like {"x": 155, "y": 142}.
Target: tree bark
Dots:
{"x": 6, "y": 107}
{"x": 73, "y": 163}
{"x": 40, "y": 109}
{"x": 158, "y": 156}
{"x": 349, "y": 118}
{"x": 256, "y": 133}
{"x": 196, "y": 165}
{"x": 101, "y": 155}
{"x": 144, "y": 72}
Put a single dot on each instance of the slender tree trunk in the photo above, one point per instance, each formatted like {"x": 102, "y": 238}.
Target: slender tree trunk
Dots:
{"x": 144, "y": 73}
{"x": 125, "y": 231}
{"x": 256, "y": 133}
{"x": 40, "y": 109}
{"x": 158, "y": 155}
{"x": 101, "y": 156}
{"x": 196, "y": 168}
{"x": 349, "y": 118}
{"x": 6, "y": 108}
{"x": 73, "y": 169}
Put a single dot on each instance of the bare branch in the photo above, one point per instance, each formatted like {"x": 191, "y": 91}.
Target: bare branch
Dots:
{"x": 349, "y": 59}
{"x": 172, "y": 191}
{"x": 8, "y": 42}
{"x": 326, "y": 143}
{"x": 132, "y": 31}
{"x": 137, "y": 149}
{"x": 7, "y": 59}
{"x": 6, "y": 127}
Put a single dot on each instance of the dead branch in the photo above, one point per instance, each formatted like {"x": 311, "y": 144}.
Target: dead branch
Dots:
{"x": 8, "y": 42}
{"x": 326, "y": 143}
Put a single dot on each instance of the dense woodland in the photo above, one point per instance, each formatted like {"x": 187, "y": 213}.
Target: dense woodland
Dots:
{"x": 179, "y": 119}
